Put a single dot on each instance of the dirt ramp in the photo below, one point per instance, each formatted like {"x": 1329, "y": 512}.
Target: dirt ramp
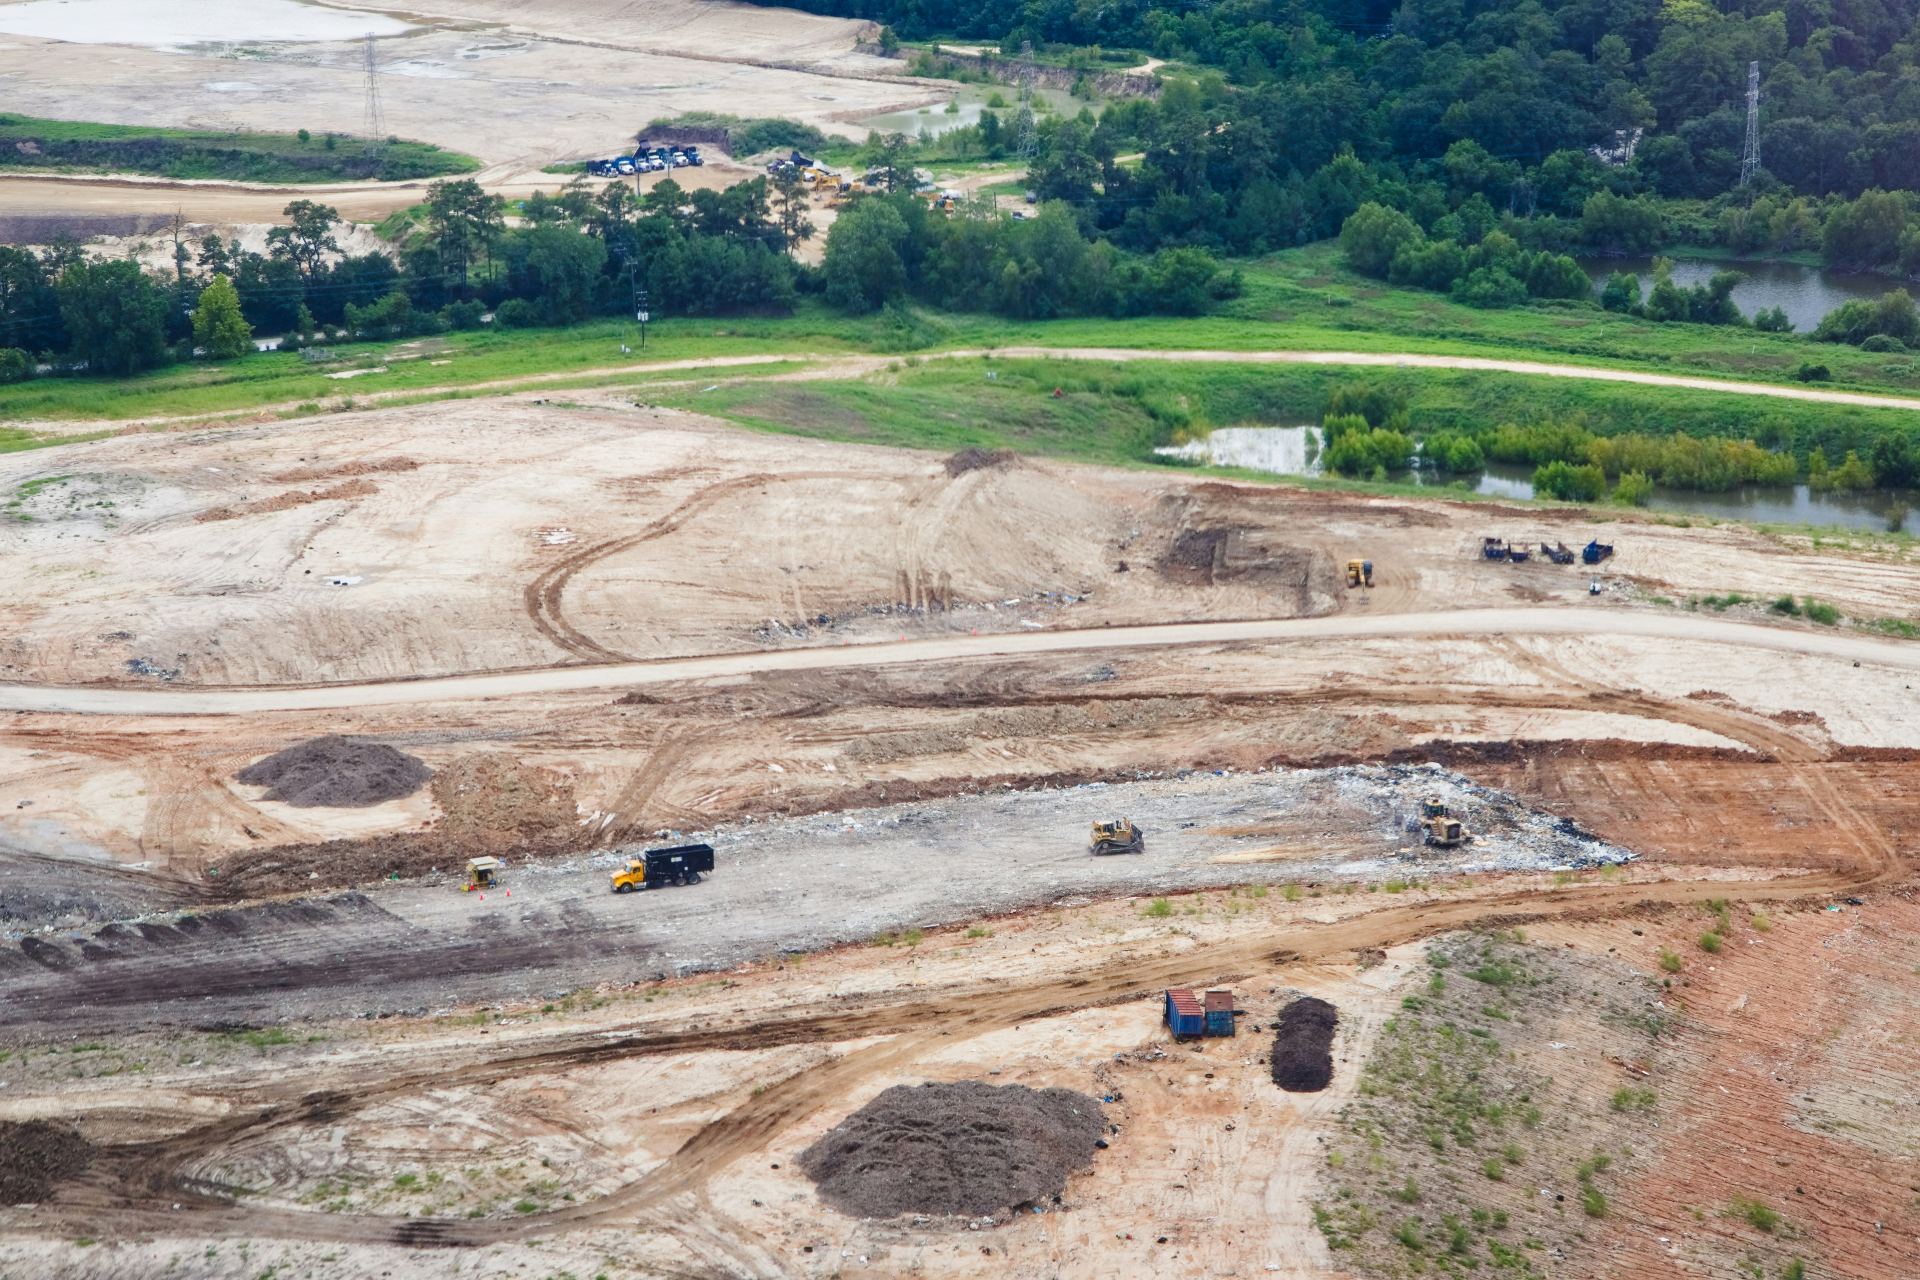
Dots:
{"x": 964, "y": 1148}
{"x": 39, "y": 1155}
{"x": 1303, "y": 1046}
{"x": 337, "y": 772}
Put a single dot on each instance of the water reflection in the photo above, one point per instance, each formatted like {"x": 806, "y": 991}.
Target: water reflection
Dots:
{"x": 1804, "y": 293}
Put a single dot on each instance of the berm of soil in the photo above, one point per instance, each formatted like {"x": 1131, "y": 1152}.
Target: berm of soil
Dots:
{"x": 38, "y": 1155}
{"x": 337, "y": 772}
{"x": 962, "y": 1148}
{"x": 1303, "y": 1046}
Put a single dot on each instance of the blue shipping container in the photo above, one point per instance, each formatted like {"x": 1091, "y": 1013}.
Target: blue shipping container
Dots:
{"x": 1185, "y": 1017}
{"x": 1219, "y": 1005}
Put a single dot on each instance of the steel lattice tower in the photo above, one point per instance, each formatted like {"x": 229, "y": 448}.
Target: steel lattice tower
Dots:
{"x": 1029, "y": 141}
{"x": 1750, "y": 157}
{"x": 374, "y": 125}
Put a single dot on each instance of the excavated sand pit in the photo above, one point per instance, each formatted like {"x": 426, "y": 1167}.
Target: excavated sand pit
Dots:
{"x": 963, "y": 1148}
{"x": 1303, "y": 1046}
{"x": 337, "y": 771}
{"x": 38, "y": 1154}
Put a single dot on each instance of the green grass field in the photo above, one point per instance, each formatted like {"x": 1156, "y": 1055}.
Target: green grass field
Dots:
{"x": 1300, "y": 300}
{"x": 1309, "y": 288}
{"x": 1118, "y": 412}
{"x": 75, "y": 146}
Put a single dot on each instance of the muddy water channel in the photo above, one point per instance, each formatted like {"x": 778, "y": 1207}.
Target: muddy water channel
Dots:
{"x": 1295, "y": 451}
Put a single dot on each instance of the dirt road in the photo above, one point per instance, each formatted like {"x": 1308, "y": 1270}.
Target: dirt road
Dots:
{"x": 1473, "y": 622}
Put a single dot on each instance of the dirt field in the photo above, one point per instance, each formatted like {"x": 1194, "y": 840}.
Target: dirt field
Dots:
{"x": 288, "y": 1042}
{"x": 518, "y": 85}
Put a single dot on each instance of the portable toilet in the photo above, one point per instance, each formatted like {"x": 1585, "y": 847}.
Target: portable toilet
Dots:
{"x": 1185, "y": 1017}
{"x": 1219, "y": 1007}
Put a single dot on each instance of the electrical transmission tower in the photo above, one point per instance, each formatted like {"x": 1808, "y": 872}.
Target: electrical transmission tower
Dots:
{"x": 1029, "y": 141}
{"x": 1750, "y": 158}
{"x": 374, "y": 125}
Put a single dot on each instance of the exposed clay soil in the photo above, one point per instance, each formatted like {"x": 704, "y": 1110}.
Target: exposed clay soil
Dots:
{"x": 963, "y": 1148}
{"x": 1303, "y": 1045}
{"x": 337, "y": 772}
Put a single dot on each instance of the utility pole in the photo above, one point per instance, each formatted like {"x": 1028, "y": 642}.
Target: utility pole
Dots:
{"x": 1750, "y": 157}
{"x": 628, "y": 252}
{"x": 374, "y": 123}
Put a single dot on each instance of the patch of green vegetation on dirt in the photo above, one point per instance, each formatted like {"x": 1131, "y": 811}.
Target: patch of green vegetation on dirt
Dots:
{"x": 78, "y": 146}
{"x": 1467, "y": 1107}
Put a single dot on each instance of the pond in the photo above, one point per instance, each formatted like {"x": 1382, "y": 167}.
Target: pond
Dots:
{"x": 1804, "y": 293}
{"x": 1295, "y": 451}
{"x": 168, "y": 23}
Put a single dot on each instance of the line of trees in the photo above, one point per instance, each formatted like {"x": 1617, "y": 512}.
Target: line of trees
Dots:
{"x": 579, "y": 254}
{"x": 885, "y": 249}
{"x": 1368, "y": 431}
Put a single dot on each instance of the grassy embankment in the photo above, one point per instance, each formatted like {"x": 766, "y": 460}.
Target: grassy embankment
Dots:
{"x": 1118, "y": 412}
{"x": 75, "y": 146}
{"x": 1299, "y": 300}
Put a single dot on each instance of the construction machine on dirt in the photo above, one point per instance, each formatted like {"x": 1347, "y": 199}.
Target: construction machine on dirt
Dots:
{"x": 1360, "y": 573}
{"x": 1117, "y": 835}
{"x": 681, "y": 864}
{"x": 1440, "y": 828}
{"x": 482, "y": 873}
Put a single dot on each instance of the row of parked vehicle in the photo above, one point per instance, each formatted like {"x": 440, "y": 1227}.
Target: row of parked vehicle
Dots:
{"x": 646, "y": 159}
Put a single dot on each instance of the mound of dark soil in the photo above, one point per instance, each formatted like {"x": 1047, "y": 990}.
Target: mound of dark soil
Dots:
{"x": 337, "y": 772}
{"x": 38, "y": 1155}
{"x": 1303, "y": 1046}
{"x": 965, "y": 1148}
{"x": 978, "y": 460}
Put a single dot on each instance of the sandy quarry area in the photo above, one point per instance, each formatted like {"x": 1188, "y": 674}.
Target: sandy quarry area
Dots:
{"x": 246, "y": 1036}
{"x": 518, "y": 85}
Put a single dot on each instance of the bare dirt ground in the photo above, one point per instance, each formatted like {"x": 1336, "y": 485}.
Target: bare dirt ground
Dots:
{"x": 582, "y": 1083}
{"x": 520, "y": 86}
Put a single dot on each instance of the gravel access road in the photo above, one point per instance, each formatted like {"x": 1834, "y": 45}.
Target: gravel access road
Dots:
{"x": 1556, "y": 621}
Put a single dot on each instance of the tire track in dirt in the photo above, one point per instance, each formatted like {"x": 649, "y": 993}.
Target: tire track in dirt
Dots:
{"x": 544, "y": 597}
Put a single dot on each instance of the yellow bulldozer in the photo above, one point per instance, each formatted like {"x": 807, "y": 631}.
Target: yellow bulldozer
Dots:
{"x": 1359, "y": 573}
{"x": 1117, "y": 835}
{"x": 1441, "y": 829}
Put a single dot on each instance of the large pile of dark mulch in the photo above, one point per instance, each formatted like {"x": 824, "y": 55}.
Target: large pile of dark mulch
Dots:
{"x": 977, "y": 459}
{"x": 37, "y": 1154}
{"x": 964, "y": 1148}
{"x": 1303, "y": 1046}
{"x": 337, "y": 772}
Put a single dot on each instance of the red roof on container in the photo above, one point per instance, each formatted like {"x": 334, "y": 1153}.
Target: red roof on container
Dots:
{"x": 1183, "y": 1001}
{"x": 1218, "y": 1000}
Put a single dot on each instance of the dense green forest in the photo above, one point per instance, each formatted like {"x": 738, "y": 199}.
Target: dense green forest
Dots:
{"x": 1524, "y": 79}
{"x": 1466, "y": 114}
